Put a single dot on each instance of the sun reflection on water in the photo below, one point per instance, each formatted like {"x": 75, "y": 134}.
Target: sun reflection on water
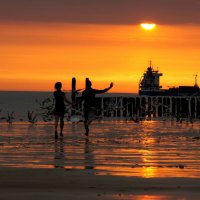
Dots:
{"x": 145, "y": 197}
{"x": 149, "y": 149}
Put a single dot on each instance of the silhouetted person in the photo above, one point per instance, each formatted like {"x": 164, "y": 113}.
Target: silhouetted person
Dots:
{"x": 59, "y": 109}
{"x": 88, "y": 96}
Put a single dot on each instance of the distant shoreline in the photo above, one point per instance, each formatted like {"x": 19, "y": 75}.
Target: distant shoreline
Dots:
{"x": 49, "y": 92}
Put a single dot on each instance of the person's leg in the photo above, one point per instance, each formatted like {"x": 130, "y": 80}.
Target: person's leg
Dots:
{"x": 86, "y": 129}
{"x": 61, "y": 125}
{"x": 56, "y": 126}
{"x": 90, "y": 116}
{"x": 86, "y": 122}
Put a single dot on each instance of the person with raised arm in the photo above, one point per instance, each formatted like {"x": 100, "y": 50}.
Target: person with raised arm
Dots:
{"x": 88, "y": 96}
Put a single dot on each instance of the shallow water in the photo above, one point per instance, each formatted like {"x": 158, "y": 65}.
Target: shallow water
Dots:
{"x": 147, "y": 149}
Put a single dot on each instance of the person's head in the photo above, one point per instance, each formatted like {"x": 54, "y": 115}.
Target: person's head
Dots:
{"x": 88, "y": 84}
{"x": 58, "y": 86}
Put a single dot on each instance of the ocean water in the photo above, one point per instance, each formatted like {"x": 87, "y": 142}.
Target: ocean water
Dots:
{"x": 20, "y": 103}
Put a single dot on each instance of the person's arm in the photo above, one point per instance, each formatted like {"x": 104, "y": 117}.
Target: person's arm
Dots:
{"x": 105, "y": 90}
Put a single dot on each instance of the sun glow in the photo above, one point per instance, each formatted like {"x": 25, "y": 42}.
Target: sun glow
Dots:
{"x": 147, "y": 26}
{"x": 36, "y": 55}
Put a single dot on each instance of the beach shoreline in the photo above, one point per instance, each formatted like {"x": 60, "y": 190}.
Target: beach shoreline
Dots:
{"x": 78, "y": 184}
{"x": 119, "y": 160}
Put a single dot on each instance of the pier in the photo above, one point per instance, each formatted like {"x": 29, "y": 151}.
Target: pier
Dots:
{"x": 144, "y": 107}
{"x": 148, "y": 107}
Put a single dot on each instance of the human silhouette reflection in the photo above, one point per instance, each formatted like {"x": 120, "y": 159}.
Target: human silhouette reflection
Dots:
{"x": 89, "y": 160}
{"x": 59, "y": 156}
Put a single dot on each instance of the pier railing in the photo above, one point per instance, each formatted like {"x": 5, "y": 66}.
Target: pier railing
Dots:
{"x": 148, "y": 107}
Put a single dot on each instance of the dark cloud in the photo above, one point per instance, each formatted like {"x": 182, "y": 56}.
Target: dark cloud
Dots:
{"x": 102, "y": 11}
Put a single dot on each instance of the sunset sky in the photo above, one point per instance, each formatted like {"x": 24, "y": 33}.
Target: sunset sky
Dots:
{"x": 44, "y": 41}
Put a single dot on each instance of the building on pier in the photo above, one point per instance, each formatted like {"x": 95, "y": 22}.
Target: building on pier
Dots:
{"x": 178, "y": 103}
{"x": 149, "y": 84}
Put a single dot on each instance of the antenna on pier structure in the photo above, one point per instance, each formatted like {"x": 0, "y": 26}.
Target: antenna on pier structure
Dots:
{"x": 195, "y": 84}
{"x": 150, "y": 63}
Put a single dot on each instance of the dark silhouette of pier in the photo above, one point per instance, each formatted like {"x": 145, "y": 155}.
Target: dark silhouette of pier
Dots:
{"x": 137, "y": 108}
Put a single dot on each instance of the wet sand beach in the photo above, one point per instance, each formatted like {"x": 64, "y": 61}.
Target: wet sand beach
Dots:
{"x": 120, "y": 160}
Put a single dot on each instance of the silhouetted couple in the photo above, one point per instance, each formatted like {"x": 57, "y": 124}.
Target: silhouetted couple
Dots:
{"x": 88, "y": 96}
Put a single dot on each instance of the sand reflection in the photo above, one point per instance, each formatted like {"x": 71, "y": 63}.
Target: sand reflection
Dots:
{"x": 156, "y": 149}
{"x": 89, "y": 160}
{"x": 147, "y": 197}
{"x": 59, "y": 157}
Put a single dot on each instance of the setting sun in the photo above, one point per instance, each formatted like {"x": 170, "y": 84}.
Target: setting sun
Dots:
{"x": 147, "y": 26}
{"x": 57, "y": 52}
